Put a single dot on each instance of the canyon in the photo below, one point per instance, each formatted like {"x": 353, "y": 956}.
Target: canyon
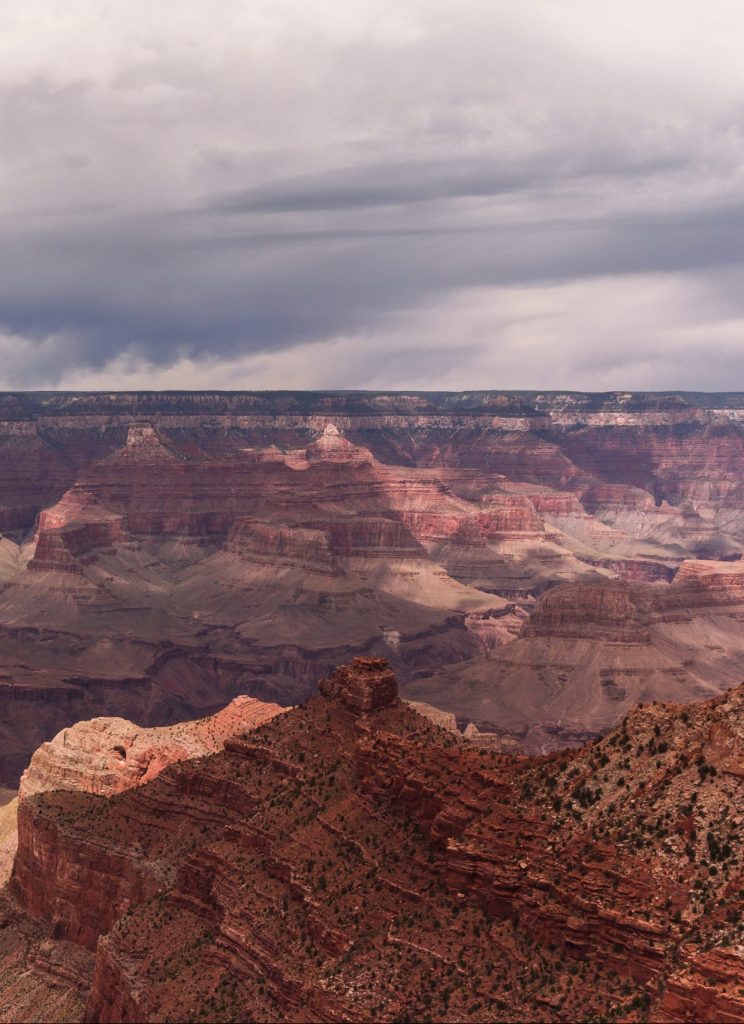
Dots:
{"x": 533, "y": 564}
{"x": 350, "y": 860}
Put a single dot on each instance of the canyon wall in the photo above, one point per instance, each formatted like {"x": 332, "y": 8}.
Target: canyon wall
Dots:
{"x": 162, "y": 553}
{"x": 350, "y": 860}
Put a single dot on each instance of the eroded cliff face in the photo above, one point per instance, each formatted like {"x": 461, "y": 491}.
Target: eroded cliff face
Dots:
{"x": 588, "y": 652}
{"x": 105, "y": 756}
{"x": 43, "y": 977}
{"x": 349, "y": 860}
{"x": 160, "y": 554}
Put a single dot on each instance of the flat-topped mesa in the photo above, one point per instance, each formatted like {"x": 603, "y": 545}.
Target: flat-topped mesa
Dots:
{"x": 367, "y": 684}
{"x": 609, "y": 610}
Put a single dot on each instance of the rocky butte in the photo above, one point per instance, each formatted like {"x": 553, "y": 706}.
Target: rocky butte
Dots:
{"x": 366, "y": 685}
{"x": 350, "y": 860}
{"x": 532, "y": 563}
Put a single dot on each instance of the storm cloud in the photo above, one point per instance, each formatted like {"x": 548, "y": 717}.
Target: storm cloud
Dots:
{"x": 327, "y": 194}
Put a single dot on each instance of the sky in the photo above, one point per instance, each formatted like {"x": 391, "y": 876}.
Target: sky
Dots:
{"x": 418, "y": 194}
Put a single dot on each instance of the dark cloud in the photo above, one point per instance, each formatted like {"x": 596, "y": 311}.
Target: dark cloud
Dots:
{"x": 425, "y": 182}
{"x": 176, "y": 195}
{"x": 165, "y": 291}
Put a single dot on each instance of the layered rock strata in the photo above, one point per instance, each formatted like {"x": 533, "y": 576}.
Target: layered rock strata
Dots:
{"x": 105, "y": 756}
{"x": 368, "y": 684}
{"x": 255, "y": 540}
{"x": 351, "y": 861}
{"x": 589, "y": 651}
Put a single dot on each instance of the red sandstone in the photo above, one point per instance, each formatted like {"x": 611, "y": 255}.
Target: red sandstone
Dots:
{"x": 351, "y": 861}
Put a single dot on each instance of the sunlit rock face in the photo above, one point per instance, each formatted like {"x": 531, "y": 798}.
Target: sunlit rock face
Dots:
{"x": 110, "y": 755}
{"x": 161, "y": 554}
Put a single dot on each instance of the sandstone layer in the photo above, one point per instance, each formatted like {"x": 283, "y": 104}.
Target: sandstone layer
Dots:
{"x": 42, "y": 979}
{"x": 109, "y": 755}
{"x": 349, "y": 860}
{"x": 162, "y": 553}
{"x": 590, "y": 651}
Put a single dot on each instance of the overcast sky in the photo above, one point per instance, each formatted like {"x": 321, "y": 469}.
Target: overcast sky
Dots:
{"x": 363, "y": 193}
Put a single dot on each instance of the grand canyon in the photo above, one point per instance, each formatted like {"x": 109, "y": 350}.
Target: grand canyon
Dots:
{"x": 534, "y": 564}
{"x": 371, "y": 705}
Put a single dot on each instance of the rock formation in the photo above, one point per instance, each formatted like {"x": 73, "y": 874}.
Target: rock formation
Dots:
{"x": 589, "y": 651}
{"x": 368, "y": 684}
{"x": 8, "y": 832}
{"x": 349, "y": 860}
{"x": 161, "y": 553}
{"x": 109, "y": 755}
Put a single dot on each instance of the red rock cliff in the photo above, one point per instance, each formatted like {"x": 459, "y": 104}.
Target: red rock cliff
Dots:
{"x": 349, "y": 860}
